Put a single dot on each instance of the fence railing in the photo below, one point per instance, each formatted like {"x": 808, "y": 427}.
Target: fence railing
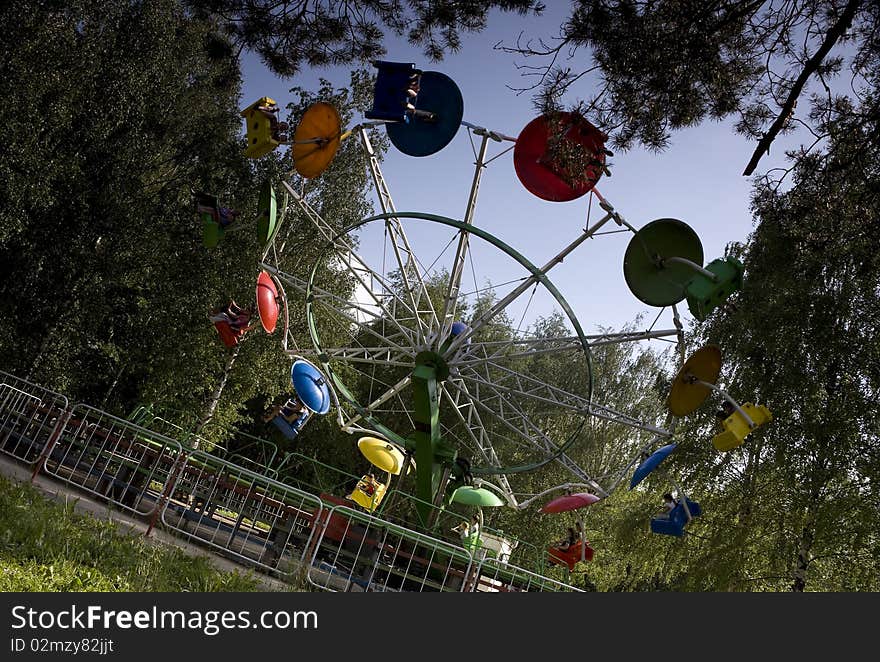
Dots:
{"x": 114, "y": 459}
{"x": 30, "y": 417}
{"x": 270, "y": 525}
{"x": 245, "y": 514}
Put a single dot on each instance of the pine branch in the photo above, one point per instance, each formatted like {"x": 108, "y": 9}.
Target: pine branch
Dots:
{"x": 834, "y": 34}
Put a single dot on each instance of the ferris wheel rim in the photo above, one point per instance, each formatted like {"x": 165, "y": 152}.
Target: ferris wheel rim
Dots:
{"x": 581, "y": 342}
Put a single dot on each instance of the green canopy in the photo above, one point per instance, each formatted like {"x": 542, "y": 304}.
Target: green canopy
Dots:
{"x": 476, "y": 496}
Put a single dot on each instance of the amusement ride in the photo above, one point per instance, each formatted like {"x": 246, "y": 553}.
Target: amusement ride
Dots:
{"x": 430, "y": 357}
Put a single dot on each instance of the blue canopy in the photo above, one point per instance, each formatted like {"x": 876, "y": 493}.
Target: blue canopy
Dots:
{"x": 440, "y": 97}
{"x": 458, "y": 328}
{"x": 310, "y": 386}
{"x": 651, "y": 463}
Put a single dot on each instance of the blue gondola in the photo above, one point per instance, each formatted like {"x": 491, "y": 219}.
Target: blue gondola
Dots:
{"x": 290, "y": 429}
{"x": 311, "y": 396}
{"x": 674, "y": 523}
{"x": 395, "y": 92}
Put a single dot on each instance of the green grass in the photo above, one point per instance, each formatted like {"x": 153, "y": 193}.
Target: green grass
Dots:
{"x": 46, "y": 546}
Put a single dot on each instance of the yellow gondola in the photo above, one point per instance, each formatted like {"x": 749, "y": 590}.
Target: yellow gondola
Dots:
{"x": 369, "y": 492}
{"x": 737, "y": 428}
{"x": 383, "y": 455}
{"x": 262, "y": 127}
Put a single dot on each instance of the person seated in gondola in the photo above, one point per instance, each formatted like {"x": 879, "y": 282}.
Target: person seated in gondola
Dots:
{"x": 723, "y": 413}
{"x": 412, "y": 91}
{"x": 278, "y": 128}
{"x": 240, "y": 317}
{"x": 289, "y": 417}
{"x": 569, "y": 541}
{"x": 226, "y": 215}
{"x": 395, "y": 93}
{"x": 469, "y": 532}
{"x": 291, "y": 411}
{"x": 368, "y": 485}
{"x": 208, "y": 204}
{"x": 669, "y": 503}
{"x": 236, "y": 317}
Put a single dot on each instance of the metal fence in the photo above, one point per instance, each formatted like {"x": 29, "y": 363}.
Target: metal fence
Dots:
{"x": 242, "y": 513}
{"x": 30, "y": 417}
{"x": 494, "y": 576}
{"x": 357, "y": 551}
{"x": 278, "y": 528}
{"x": 114, "y": 459}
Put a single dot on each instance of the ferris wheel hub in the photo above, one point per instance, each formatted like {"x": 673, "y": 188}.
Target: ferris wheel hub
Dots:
{"x": 435, "y": 361}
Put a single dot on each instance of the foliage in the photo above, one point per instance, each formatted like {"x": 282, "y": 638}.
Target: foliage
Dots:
{"x": 114, "y": 114}
{"x": 799, "y": 499}
{"x": 661, "y": 66}
{"x": 114, "y": 111}
{"x": 316, "y": 33}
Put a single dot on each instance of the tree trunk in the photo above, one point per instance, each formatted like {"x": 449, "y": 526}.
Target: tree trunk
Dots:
{"x": 744, "y": 518}
{"x": 48, "y": 339}
{"x": 113, "y": 385}
{"x": 215, "y": 397}
{"x": 803, "y": 558}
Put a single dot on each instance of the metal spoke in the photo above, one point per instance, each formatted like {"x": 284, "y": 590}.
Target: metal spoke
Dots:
{"x": 322, "y": 296}
{"x": 513, "y": 420}
{"x": 538, "y": 276}
{"x": 370, "y": 356}
{"x": 361, "y": 325}
{"x": 382, "y": 399}
{"x": 344, "y": 248}
{"x": 450, "y": 301}
{"x": 535, "y": 390}
{"x": 481, "y": 352}
{"x": 401, "y": 246}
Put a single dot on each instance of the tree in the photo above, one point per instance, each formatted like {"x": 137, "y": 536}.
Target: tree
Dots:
{"x": 114, "y": 111}
{"x": 667, "y": 65}
{"x": 316, "y": 33}
{"x": 98, "y": 226}
{"x": 798, "y": 503}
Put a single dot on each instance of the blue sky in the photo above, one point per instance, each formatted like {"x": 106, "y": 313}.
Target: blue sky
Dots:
{"x": 697, "y": 179}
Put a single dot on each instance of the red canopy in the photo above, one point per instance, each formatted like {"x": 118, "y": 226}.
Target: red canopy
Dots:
{"x": 266, "y": 303}
{"x": 570, "y": 502}
{"x": 546, "y": 176}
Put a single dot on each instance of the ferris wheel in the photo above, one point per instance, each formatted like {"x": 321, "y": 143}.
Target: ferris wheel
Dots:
{"x": 456, "y": 348}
